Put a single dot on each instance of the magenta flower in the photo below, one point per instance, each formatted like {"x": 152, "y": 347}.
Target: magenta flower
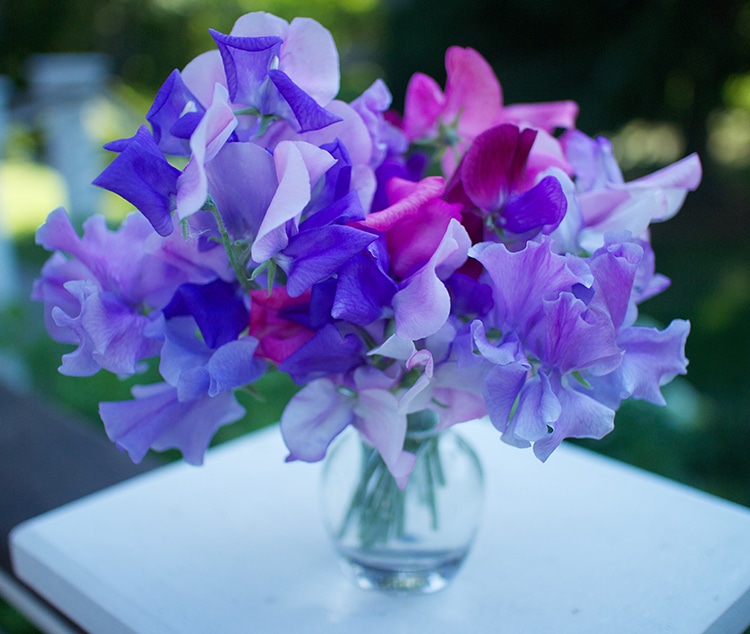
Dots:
{"x": 473, "y": 103}
{"x": 414, "y": 223}
{"x": 273, "y": 323}
{"x": 492, "y": 174}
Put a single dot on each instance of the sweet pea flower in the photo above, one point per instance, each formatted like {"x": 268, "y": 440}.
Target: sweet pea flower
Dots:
{"x": 209, "y": 136}
{"x": 174, "y": 115}
{"x": 349, "y": 132}
{"x": 387, "y": 139}
{"x": 273, "y": 323}
{"x": 422, "y": 304}
{"x": 157, "y": 419}
{"x": 196, "y": 369}
{"x": 271, "y": 69}
{"x": 93, "y": 296}
{"x": 307, "y": 53}
{"x": 321, "y": 411}
{"x": 299, "y": 165}
{"x": 622, "y": 268}
{"x": 472, "y": 99}
{"x": 100, "y": 290}
{"x": 608, "y": 203}
{"x": 414, "y": 223}
{"x": 491, "y": 175}
{"x": 472, "y": 103}
{"x": 143, "y": 177}
{"x": 535, "y": 304}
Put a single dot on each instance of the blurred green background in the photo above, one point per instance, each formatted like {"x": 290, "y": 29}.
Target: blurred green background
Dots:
{"x": 662, "y": 78}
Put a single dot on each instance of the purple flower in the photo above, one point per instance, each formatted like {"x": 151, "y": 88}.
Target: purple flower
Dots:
{"x": 608, "y": 203}
{"x": 387, "y": 139}
{"x": 313, "y": 418}
{"x": 99, "y": 295}
{"x": 492, "y": 174}
{"x": 329, "y": 352}
{"x": 209, "y": 136}
{"x": 364, "y": 290}
{"x": 195, "y": 369}
{"x": 93, "y": 300}
{"x": 143, "y": 177}
{"x": 241, "y": 201}
{"x": 219, "y": 312}
{"x": 299, "y": 165}
{"x": 174, "y": 115}
{"x": 320, "y": 411}
{"x": 157, "y": 419}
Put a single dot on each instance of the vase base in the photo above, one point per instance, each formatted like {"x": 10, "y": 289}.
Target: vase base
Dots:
{"x": 410, "y": 573}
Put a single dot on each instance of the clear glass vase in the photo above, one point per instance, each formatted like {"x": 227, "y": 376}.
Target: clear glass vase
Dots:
{"x": 407, "y": 541}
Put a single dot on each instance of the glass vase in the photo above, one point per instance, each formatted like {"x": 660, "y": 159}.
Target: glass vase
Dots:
{"x": 404, "y": 541}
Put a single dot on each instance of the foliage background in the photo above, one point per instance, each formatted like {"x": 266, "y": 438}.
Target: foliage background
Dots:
{"x": 663, "y": 78}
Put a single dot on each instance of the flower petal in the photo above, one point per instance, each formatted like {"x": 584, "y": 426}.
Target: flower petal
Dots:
{"x": 422, "y": 305}
{"x": 494, "y": 165}
{"x": 212, "y": 132}
{"x": 157, "y": 420}
{"x": 143, "y": 177}
{"x": 313, "y": 417}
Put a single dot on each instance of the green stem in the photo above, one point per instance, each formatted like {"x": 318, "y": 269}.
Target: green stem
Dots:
{"x": 378, "y": 508}
{"x": 239, "y": 264}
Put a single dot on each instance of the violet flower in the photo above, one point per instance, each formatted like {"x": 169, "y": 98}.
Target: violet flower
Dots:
{"x": 492, "y": 174}
{"x": 608, "y": 203}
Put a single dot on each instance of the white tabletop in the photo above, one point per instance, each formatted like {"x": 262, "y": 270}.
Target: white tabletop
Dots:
{"x": 579, "y": 544}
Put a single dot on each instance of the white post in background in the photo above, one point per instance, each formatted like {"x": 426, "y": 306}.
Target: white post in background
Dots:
{"x": 61, "y": 85}
{"x": 9, "y": 281}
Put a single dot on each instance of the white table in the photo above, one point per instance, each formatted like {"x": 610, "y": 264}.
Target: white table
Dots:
{"x": 579, "y": 544}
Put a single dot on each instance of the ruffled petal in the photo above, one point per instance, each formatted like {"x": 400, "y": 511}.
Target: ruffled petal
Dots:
{"x": 580, "y": 417}
{"x": 156, "y": 419}
{"x": 313, "y": 417}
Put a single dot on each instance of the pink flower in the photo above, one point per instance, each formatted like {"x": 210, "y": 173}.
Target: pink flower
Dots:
{"x": 415, "y": 222}
{"x": 278, "y": 336}
{"x": 472, "y": 103}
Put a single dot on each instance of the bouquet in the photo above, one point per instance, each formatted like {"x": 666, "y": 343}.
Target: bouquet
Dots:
{"x": 465, "y": 259}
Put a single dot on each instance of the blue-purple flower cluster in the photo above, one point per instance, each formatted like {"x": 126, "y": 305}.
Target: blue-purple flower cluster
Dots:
{"x": 470, "y": 258}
